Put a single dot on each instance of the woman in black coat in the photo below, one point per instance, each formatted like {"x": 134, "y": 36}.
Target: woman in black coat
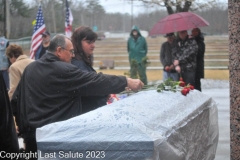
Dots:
{"x": 196, "y": 33}
{"x": 83, "y": 40}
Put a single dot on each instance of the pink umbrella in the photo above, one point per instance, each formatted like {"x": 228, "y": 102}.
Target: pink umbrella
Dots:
{"x": 178, "y": 22}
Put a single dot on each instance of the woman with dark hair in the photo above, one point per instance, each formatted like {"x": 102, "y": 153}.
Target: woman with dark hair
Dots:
{"x": 196, "y": 33}
{"x": 83, "y": 39}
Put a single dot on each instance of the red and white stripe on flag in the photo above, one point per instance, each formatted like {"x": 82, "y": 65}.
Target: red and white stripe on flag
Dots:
{"x": 39, "y": 28}
{"x": 68, "y": 21}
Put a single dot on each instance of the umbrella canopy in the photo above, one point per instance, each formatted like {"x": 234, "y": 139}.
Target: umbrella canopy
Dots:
{"x": 178, "y": 22}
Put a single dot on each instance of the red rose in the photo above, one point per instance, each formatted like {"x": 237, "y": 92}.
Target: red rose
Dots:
{"x": 181, "y": 83}
{"x": 167, "y": 68}
{"x": 184, "y": 91}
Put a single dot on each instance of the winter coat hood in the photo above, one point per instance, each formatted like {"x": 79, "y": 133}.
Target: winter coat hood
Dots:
{"x": 137, "y": 29}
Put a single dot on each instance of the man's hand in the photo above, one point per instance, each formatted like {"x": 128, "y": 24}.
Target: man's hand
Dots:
{"x": 134, "y": 84}
{"x": 172, "y": 67}
{"x": 167, "y": 68}
{"x": 178, "y": 69}
{"x": 176, "y": 62}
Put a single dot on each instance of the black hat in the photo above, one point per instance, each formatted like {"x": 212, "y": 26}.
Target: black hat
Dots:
{"x": 46, "y": 33}
{"x": 169, "y": 35}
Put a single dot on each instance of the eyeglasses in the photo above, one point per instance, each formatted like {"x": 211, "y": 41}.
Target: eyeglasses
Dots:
{"x": 72, "y": 51}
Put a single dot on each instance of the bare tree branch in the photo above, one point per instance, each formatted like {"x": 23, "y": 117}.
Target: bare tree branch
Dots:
{"x": 187, "y": 6}
{"x": 168, "y": 6}
{"x": 180, "y": 5}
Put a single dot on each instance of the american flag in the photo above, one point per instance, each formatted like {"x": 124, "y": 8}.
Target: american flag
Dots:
{"x": 68, "y": 21}
{"x": 39, "y": 28}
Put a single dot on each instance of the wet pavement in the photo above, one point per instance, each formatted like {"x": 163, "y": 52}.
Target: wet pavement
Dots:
{"x": 221, "y": 97}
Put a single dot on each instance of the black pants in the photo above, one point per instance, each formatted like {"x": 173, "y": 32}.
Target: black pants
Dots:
{"x": 189, "y": 77}
{"x": 198, "y": 83}
{"x": 31, "y": 144}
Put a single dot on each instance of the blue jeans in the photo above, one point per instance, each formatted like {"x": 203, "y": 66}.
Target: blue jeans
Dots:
{"x": 5, "y": 77}
{"x": 174, "y": 76}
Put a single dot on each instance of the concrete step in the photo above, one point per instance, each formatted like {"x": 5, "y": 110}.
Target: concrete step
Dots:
{"x": 154, "y": 45}
{"x": 150, "y": 44}
{"x": 156, "y": 63}
{"x": 216, "y": 55}
{"x": 156, "y": 48}
{"x": 150, "y": 52}
{"x": 207, "y": 61}
{"x": 160, "y": 68}
{"x": 155, "y": 56}
{"x": 208, "y": 39}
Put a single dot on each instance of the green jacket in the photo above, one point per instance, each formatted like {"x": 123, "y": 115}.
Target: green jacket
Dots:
{"x": 137, "y": 49}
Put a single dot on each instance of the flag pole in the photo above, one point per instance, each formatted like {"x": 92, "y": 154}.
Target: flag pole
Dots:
{"x": 39, "y": 2}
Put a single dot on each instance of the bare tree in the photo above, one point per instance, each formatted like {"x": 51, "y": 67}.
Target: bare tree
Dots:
{"x": 96, "y": 12}
{"x": 175, "y": 6}
{"x": 15, "y": 8}
{"x": 79, "y": 13}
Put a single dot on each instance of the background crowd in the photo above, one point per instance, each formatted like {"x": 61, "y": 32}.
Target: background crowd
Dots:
{"x": 183, "y": 56}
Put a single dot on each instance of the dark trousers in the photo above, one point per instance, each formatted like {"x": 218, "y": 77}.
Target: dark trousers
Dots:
{"x": 189, "y": 77}
{"x": 198, "y": 83}
{"x": 8, "y": 135}
{"x": 31, "y": 144}
{"x": 5, "y": 77}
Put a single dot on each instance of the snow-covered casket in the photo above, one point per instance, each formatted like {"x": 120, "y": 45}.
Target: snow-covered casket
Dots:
{"x": 145, "y": 126}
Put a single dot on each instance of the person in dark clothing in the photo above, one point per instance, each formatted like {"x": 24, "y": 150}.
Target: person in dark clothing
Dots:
{"x": 83, "y": 39}
{"x": 44, "y": 45}
{"x": 137, "y": 50}
{"x": 196, "y": 33}
{"x": 166, "y": 58}
{"x": 50, "y": 89}
{"x": 185, "y": 54}
{"x": 8, "y": 134}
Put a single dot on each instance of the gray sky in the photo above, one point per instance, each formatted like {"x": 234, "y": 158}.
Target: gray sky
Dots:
{"x": 122, "y": 6}
{"x": 114, "y": 6}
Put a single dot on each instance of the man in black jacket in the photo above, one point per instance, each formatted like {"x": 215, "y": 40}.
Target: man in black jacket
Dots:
{"x": 50, "y": 89}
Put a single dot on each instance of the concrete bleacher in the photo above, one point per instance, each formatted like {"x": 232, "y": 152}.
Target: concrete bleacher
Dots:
{"x": 216, "y": 55}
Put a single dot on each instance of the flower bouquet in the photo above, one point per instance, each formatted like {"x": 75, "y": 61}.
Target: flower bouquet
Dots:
{"x": 174, "y": 86}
